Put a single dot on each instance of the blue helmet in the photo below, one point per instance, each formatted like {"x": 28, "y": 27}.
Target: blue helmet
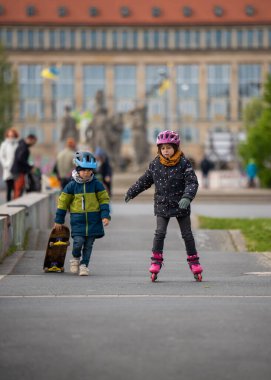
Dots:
{"x": 85, "y": 160}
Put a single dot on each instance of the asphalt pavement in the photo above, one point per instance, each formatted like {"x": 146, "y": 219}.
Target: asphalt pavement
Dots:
{"x": 117, "y": 324}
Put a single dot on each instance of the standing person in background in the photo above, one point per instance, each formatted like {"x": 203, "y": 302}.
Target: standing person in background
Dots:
{"x": 7, "y": 153}
{"x": 21, "y": 166}
{"x": 64, "y": 162}
{"x": 205, "y": 166}
{"x": 251, "y": 170}
{"x": 104, "y": 169}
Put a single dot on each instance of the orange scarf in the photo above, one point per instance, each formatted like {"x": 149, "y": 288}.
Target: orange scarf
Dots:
{"x": 171, "y": 161}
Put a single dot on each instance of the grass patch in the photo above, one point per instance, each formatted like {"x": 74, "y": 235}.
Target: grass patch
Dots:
{"x": 257, "y": 232}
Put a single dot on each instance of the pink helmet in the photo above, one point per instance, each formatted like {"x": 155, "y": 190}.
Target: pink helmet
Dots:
{"x": 168, "y": 137}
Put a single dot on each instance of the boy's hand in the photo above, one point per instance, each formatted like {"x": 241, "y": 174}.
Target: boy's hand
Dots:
{"x": 105, "y": 221}
{"x": 58, "y": 226}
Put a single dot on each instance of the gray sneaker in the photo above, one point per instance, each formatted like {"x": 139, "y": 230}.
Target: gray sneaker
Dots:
{"x": 83, "y": 270}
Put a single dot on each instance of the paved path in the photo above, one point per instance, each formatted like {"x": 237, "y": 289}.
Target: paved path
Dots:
{"x": 116, "y": 324}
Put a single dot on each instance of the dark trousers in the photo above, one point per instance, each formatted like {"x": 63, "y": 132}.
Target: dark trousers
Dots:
{"x": 185, "y": 228}
{"x": 10, "y": 188}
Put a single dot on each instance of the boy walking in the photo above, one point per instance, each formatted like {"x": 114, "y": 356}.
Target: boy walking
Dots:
{"x": 88, "y": 202}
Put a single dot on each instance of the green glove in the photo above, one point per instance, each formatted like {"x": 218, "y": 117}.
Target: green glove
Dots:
{"x": 184, "y": 203}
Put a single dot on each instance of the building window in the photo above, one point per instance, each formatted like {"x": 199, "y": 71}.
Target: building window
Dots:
{"x": 94, "y": 80}
{"x": 40, "y": 44}
{"x": 218, "y": 11}
{"x": 187, "y": 11}
{"x": 249, "y": 84}
{"x": 125, "y": 11}
{"x": 209, "y": 39}
{"x": 62, "y": 11}
{"x": 72, "y": 39}
{"x": 93, "y": 12}
{"x": 30, "y": 35}
{"x": 146, "y": 36}
{"x": 53, "y": 39}
{"x": 9, "y": 39}
{"x": 115, "y": 39}
{"x": 30, "y": 10}
{"x": 187, "y": 82}
{"x": 227, "y": 39}
{"x": 20, "y": 39}
{"x": 93, "y": 39}
{"x": 249, "y": 10}
{"x": 63, "y": 91}
{"x": 2, "y": 10}
{"x": 218, "y": 39}
{"x": 31, "y": 92}
{"x": 259, "y": 38}
{"x": 156, "y": 12}
{"x": 135, "y": 39}
{"x": 240, "y": 38}
{"x": 125, "y": 87}
{"x": 218, "y": 82}
{"x": 63, "y": 40}
{"x": 83, "y": 39}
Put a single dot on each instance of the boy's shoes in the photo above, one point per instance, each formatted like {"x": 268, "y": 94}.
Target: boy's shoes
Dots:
{"x": 74, "y": 265}
{"x": 83, "y": 270}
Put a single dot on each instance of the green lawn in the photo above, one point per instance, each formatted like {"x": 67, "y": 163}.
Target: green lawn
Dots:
{"x": 257, "y": 232}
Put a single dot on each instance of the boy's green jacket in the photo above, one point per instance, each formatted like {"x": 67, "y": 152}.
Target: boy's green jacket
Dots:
{"x": 88, "y": 204}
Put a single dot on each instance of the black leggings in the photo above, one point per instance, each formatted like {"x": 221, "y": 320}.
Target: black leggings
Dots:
{"x": 185, "y": 228}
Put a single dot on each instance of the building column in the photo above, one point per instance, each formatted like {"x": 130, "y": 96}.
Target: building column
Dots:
{"x": 141, "y": 84}
{"x": 234, "y": 98}
{"x": 203, "y": 92}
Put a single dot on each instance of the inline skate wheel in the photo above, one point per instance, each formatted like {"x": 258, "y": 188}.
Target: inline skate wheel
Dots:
{"x": 153, "y": 277}
{"x": 198, "y": 277}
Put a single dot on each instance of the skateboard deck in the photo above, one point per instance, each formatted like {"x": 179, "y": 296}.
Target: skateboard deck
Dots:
{"x": 58, "y": 243}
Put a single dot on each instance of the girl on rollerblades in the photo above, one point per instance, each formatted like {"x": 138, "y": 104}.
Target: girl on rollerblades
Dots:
{"x": 176, "y": 186}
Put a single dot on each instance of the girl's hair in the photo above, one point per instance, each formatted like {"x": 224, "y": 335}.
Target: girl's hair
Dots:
{"x": 13, "y": 131}
{"x": 174, "y": 146}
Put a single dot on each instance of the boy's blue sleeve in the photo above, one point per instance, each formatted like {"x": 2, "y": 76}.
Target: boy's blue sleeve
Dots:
{"x": 103, "y": 199}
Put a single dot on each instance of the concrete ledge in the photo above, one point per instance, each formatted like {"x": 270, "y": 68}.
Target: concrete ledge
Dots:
{"x": 31, "y": 211}
{"x": 238, "y": 240}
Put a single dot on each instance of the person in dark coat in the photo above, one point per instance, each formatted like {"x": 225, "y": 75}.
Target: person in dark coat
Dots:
{"x": 104, "y": 170}
{"x": 176, "y": 186}
{"x": 205, "y": 166}
{"x": 21, "y": 166}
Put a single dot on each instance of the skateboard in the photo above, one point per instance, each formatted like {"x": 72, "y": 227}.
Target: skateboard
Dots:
{"x": 58, "y": 243}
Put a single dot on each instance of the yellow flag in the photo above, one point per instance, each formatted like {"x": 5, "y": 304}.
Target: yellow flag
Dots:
{"x": 164, "y": 86}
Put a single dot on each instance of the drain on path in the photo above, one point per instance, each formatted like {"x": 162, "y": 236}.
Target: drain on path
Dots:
{"x": 259, "y": 273}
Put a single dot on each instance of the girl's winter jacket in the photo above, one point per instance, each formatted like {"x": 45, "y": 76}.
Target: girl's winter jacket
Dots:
{"x": 88, "y": 204}
{"x": 171, "y": 184}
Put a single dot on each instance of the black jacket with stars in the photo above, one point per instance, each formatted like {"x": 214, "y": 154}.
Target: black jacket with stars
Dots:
{"x": 171, "y": 184}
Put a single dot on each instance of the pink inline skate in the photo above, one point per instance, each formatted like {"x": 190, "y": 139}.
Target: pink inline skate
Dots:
{"x": 156, "y": 263}
{"x": 196, "y": 269}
